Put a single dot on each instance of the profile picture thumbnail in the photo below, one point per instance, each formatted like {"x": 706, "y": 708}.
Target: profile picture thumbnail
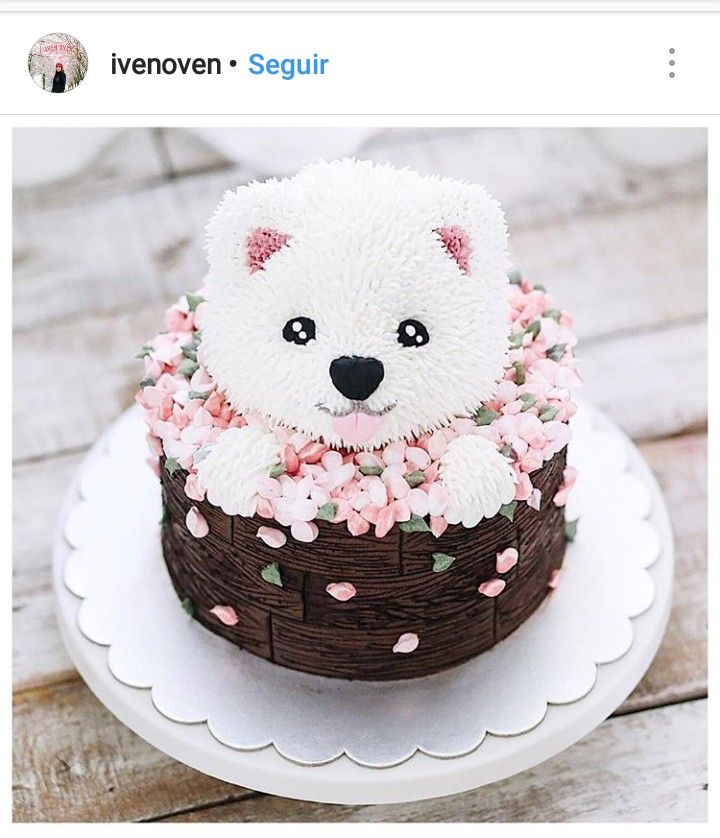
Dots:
{"x": 57, "y": 62}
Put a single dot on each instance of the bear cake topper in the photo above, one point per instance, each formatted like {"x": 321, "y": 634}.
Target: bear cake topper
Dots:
{"x": 357, "y": 355}
{"x": 358, "y": 304}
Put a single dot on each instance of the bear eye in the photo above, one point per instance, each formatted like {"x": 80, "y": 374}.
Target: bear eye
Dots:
{"x": 299, "y": 330}
{"x": 412, "y": 333}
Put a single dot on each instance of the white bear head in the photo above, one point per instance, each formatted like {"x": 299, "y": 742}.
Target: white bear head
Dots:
{"x": 357, "y": 303}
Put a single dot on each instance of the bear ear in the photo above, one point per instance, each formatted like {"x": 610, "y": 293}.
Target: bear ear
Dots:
{"x": 456, "y": 241}
{"x": 261, "y": 244}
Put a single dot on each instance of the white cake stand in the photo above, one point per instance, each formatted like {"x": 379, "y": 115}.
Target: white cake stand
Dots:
{"x": 343, "y": 780}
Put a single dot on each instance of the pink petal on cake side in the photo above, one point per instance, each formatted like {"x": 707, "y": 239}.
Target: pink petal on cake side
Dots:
{"x": 492, "y": 587}
{"x": 554, "y": 579}
{"x": 506, "y": 560}
{"x": 272, "y": 536}
{"x": 406, "y": 643}
{"x": 534, "y": 500}
{"x": 304, "y": 530}
{"x": 342, "y": 591}
{"x": 196, "y": 523}
{"x": 226, "y": 614}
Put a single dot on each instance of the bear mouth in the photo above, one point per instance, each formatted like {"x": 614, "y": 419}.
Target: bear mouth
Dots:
{"x": 357, "y": 407}
{"x": 358, "y": 424}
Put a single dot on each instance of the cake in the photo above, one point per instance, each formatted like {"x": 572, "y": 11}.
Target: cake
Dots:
{"x": 360, "y": 425}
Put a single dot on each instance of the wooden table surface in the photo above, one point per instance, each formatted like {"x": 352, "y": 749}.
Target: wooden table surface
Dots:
{"x": 96, "y": 259}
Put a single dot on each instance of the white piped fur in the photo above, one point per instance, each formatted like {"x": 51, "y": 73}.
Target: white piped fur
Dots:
{"x": 230, "y": 472}
{"x": 363, "y": 255}
{"x": 478, "y": 479}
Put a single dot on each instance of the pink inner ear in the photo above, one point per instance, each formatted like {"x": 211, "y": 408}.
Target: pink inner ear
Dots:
{"x": 261, "y": 244}
{"x": 457, "y": 244}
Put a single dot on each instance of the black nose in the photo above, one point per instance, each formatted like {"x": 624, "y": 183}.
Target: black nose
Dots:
{"x": 356, "y": 378}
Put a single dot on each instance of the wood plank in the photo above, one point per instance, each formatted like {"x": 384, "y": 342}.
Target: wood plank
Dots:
{"x": 539, "y": 174}
{"x": 83, "y": 373}
{"x": 621, "y": 272}
{"x": 537, "y": 171}
{"x": 648, "y": 766}
{"x": 74, "y": 762}
{"x": 106, "y": 161}
{"x": 635, "y": 378}
{"x": 679, "y": 670}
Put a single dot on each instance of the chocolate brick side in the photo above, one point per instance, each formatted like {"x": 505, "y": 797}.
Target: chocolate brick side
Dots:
{"x": 301, "y": 626}
{"x": 368, "y": 653}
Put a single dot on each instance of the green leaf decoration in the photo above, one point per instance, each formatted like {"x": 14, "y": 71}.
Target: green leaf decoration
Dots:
{"x": 194, "y": 394}
{"x": 548, "y": 413}
{"x": 271, "y": 573}
{"x": 145, "y": 351}
{"x": 538, "y": 287}
{"x": 415, "y": 524}
{"x": 187, "y": 605}
{"x": 327, "y": 512}
{"x": 533, "y": 328}
{"x": 485, "y": 416}
{"x": 194, "y": 301}
{"x": 515, "y": 341}
{"x": 188, "y": 367}
{"x": 172, "y": 465}
{"x": 415, "y": 478}
{"x": 519, "y": 368}
{"x": 571, "y": 529}
{"x": 189, "y": 351}
{"x": 507, "y": 510}
{"x": 371, "y": 471}
{"x": 553, "y": 314}
{"x": 506, "y": 450}
{"x": 556, "y": 352}
{"x": 147, "y": 382}
{"x": 515, "y": 276}
{"x": 164, "y": 516}
{"x": 441, "y": 562}
{"x": 277, "y": 470}
{"x": 528, "y": 401}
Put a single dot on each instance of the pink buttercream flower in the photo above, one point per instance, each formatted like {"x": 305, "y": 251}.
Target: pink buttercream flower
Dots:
{"x": 193, "y": 489}
{"x": 304, "y": 530}
{"x": 385, "y": 521}
{"x": 438, "y": 525}
{"x": 179, "y": 320}
{"x": 534, "y": 500}
{"x": 523, "y": 487}
{"x": 357, "y": 524}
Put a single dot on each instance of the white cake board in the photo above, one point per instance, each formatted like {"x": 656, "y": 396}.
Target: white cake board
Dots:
{"x": 344, "y": 781}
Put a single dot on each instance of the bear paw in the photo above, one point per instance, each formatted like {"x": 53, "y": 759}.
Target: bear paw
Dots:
{"x": 230, "y": 472}
{"x": 478, "y": 479}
